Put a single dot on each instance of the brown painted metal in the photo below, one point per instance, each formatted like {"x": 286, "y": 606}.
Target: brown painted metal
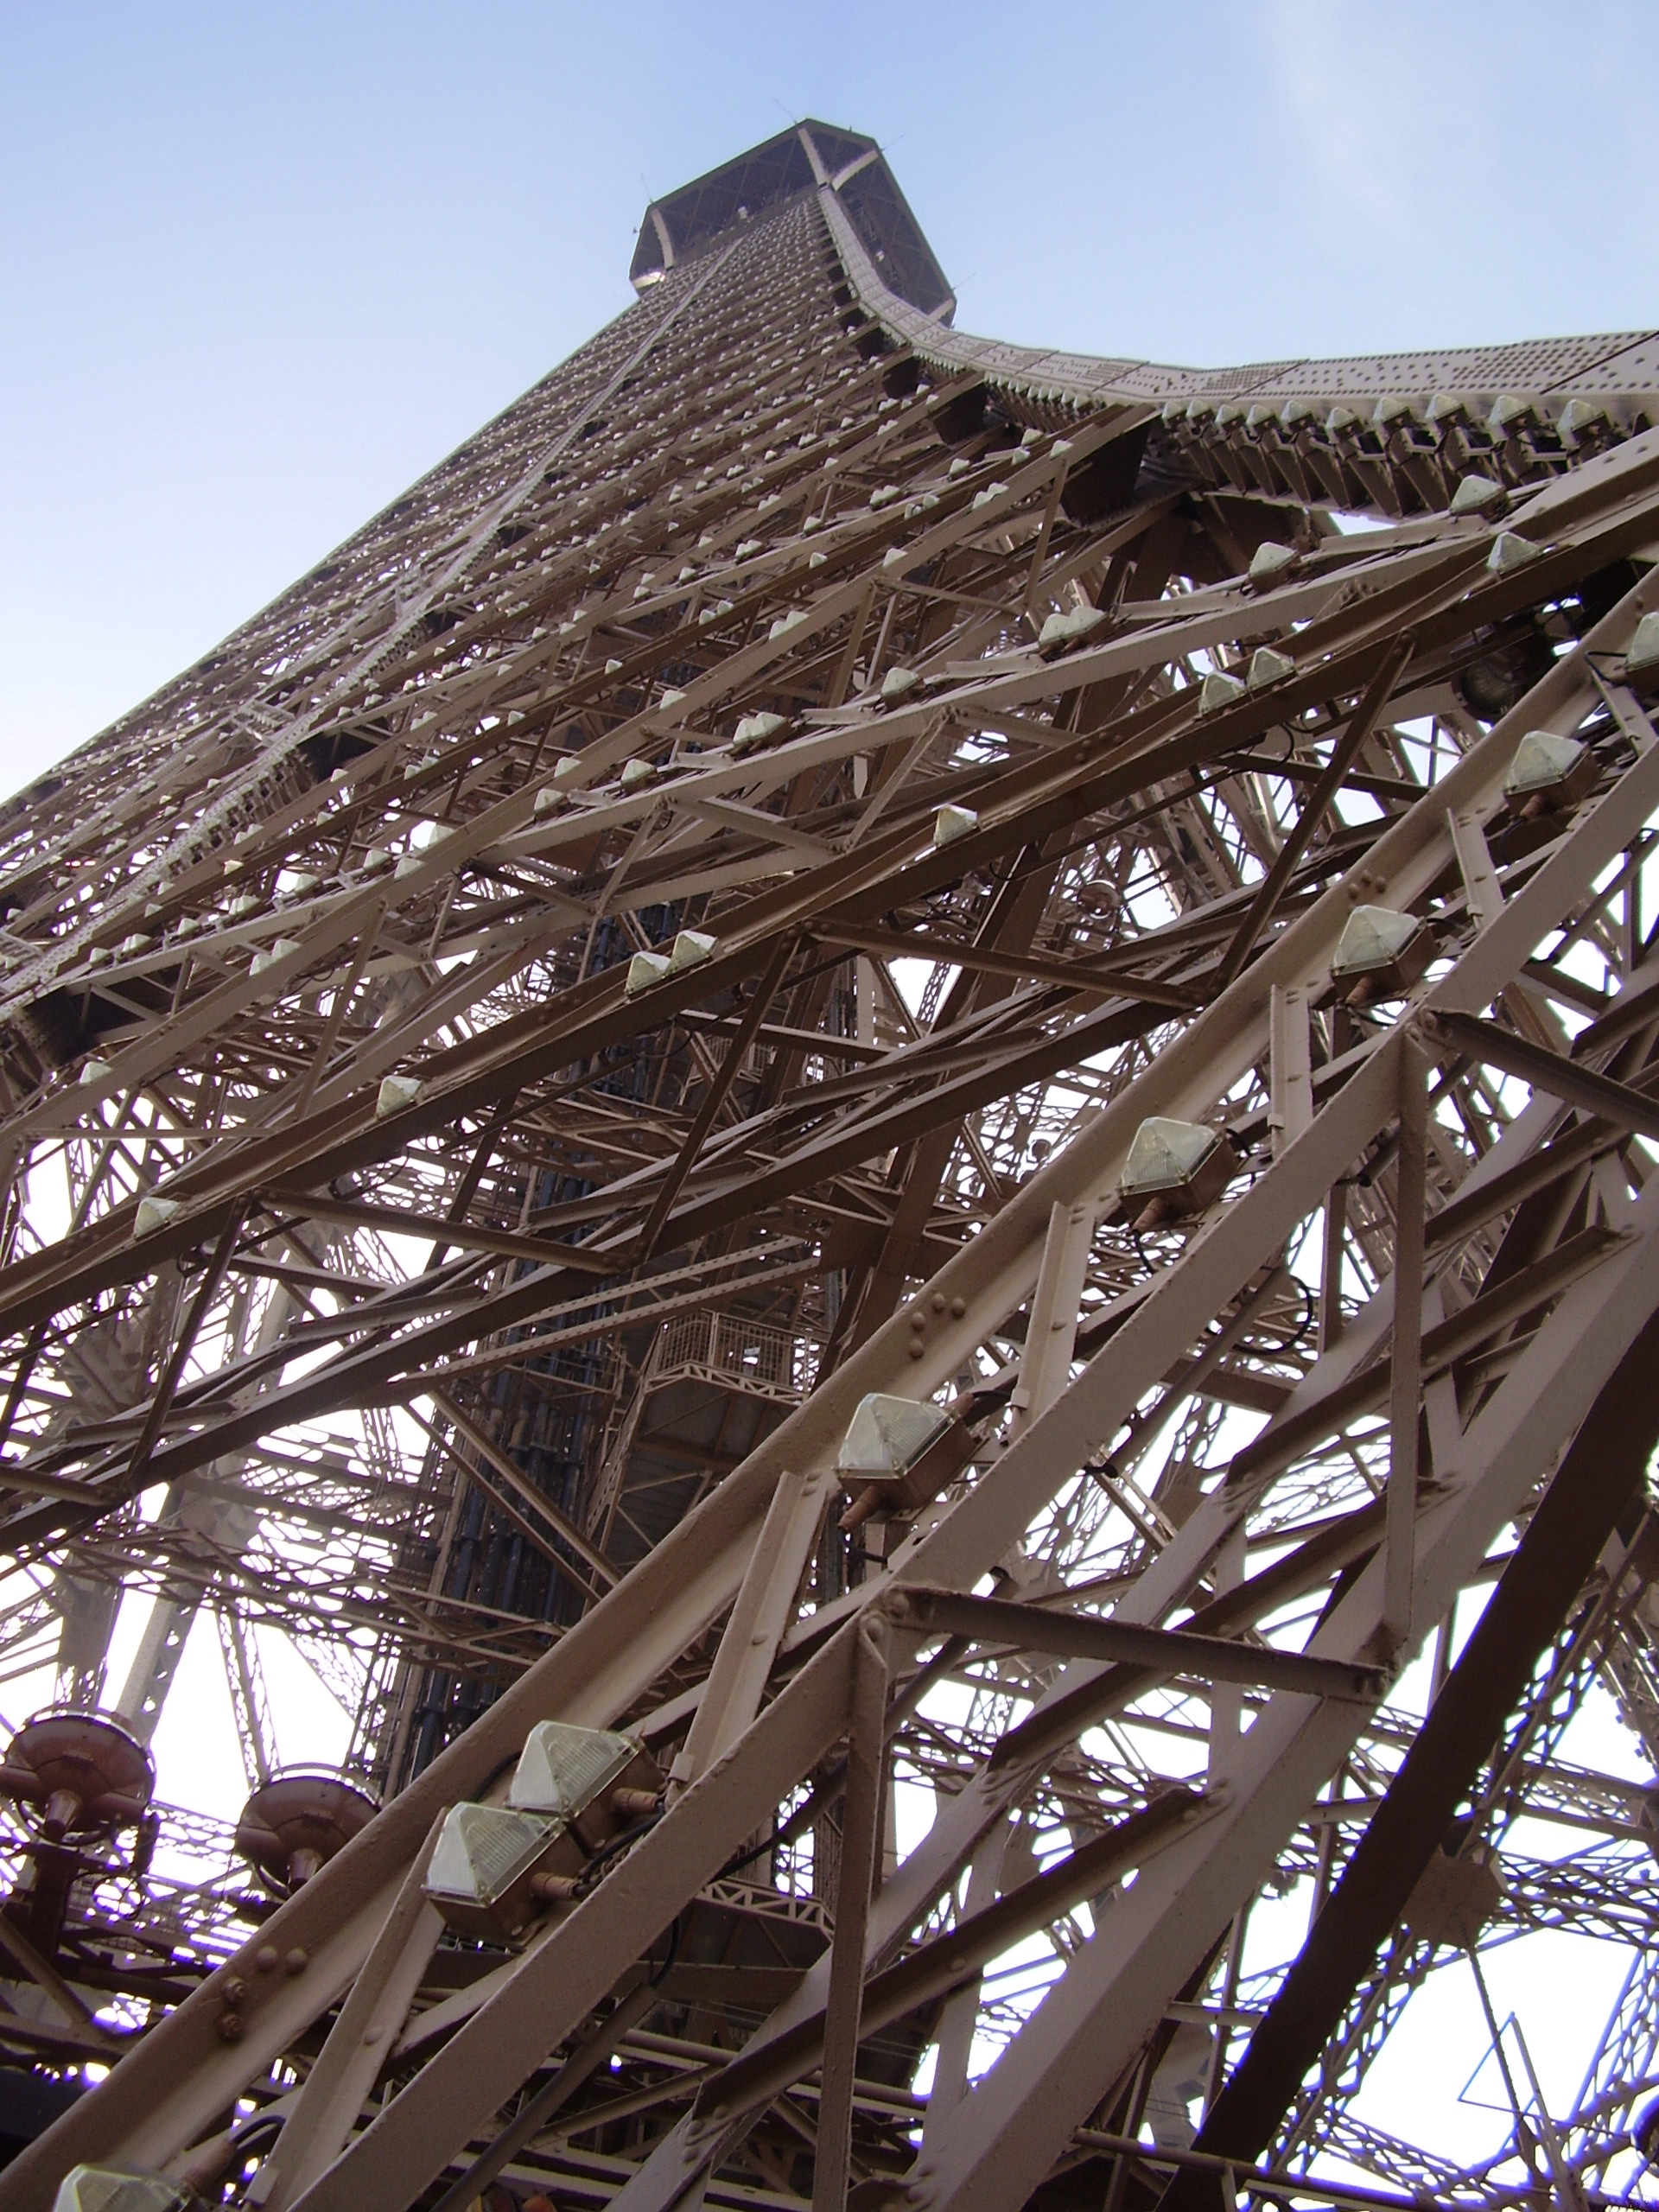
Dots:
{"x": 1001, "y": 745}
{"x": 1559, "y": 1549}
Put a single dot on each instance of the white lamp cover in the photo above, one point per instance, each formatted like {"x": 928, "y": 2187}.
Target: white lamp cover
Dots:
{"x": 1269, "y": 667}
{"x": 688, "y": 947}
{"x": 1372, "y": 937}
{"x": 1164, "y": 1155}
{"x": 562, "y": 1767}
{"x": 646, "y": 969}
{"x": 886, "y": 1436}
{"x": 118, "y": 2189}
{"x": 482, "y": 1850}
{"x": 1541, "y": 759}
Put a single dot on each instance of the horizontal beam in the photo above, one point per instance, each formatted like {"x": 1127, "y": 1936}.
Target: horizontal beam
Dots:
{"x": 1166, "y": 1652}
{"x": 1545, "y": 1071}
{"x": 1074, "y": 974}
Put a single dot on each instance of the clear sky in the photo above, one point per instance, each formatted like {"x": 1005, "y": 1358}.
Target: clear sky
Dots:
{"x": 261, "y": 264}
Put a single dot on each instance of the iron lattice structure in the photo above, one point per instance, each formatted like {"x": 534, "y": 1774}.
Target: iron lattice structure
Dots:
{"x": 926, "y": 1071}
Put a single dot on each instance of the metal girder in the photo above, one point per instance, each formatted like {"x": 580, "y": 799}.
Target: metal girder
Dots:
{"x": 1602, "y": 1471}
{"x": 1160, "y": 1651}
{"x": 667, "y": 944}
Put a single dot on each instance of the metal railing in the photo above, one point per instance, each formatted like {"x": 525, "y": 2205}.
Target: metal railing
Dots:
{"x": 751, "y": 1356}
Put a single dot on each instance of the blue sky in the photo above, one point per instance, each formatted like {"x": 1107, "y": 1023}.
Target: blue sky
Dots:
{"x": 261, "y": 265}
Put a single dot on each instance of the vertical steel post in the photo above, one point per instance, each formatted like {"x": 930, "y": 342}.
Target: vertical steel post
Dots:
{"x": 1406, "y": 1387}
{"x": 860, "y": 1830}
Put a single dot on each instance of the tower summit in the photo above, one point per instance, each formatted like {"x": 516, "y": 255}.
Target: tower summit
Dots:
{"x": 798, "y": 164}
{"x": 857, "y": 1122}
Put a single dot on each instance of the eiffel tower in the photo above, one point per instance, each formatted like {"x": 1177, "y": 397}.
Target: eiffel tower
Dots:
{"x": 872, "y": 1121}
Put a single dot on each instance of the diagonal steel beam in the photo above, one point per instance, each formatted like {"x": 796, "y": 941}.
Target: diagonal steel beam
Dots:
{"x": 1558, "y": 1547}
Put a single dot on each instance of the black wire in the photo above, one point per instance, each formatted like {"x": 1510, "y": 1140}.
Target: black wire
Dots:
{"x": 1298, "y": 1336}
{"x": 747, "y": 1858}
{"x": 803, "y": 1814}
{"x": 806, "y": 1812}
{"x": 757, "y": 1851}
{"x": 660, "y": 1973}
{"x": 603, "y": 1857}
{"x": 247, "y": 2137}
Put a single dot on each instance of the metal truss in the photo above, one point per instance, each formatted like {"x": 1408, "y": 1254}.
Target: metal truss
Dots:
{"x": 669, "y": 955}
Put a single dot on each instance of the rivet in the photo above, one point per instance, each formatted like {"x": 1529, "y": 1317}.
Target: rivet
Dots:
{"x": 918, "y": 1320}
{"x": 958, "y": 1306}
{"x": 296, "y": 1961}
{"x": 917, "y": 1350}
{"x": 938, "y": 1301}
{"x": 267, "y": 1958}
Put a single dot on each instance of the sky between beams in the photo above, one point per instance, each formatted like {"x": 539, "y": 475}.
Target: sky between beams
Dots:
{"x": 263, "y": 266}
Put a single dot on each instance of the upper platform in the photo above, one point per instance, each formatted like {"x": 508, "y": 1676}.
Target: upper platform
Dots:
{"x": 809, "y": 157}
{"x": 1388, "y": 432}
